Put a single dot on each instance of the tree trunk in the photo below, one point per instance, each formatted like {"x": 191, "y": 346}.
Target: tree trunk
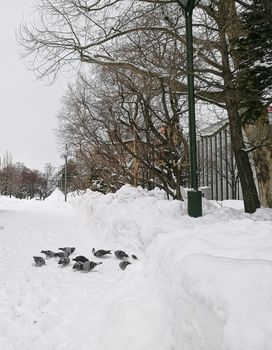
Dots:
{"x": 260, "y": 134}
{"x": 250, "y": 194}
{"x": 249, "y": 190}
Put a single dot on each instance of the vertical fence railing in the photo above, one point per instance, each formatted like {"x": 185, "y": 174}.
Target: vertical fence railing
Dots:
{"x": 221, "y": 166}
{"x": 206, "y": 161}
{"x": 217, "y": 169}
{"x": 211, "y": 168}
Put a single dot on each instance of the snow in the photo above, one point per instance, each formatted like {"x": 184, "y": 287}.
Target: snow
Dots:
{"x": 199, "y": 284}
{"x": 56, "y": 196}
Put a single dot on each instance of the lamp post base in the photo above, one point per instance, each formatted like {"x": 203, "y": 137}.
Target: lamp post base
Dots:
{"x": 194, "y": 203}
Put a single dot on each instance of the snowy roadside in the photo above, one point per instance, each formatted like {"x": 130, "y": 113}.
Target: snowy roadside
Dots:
{"x": 199, "y": 283}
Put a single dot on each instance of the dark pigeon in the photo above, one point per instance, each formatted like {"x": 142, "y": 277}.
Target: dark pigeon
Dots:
{"x": 39, "y": 261}
{"x": 101, "y": 252}
{"x": 68, "y": 250}
{"x": 124, "y": 264}
{"x": 90, "y": 265}
{"x": 64, "y": 261}
{"x": 120, "y": 254}
{"x": 48, "y": 253}
{"x": 80, "y": 258}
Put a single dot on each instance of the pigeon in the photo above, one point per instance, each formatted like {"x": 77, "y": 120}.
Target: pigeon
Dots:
{"x": 78, "y": 266}
{"x": 61, "y": 254}
{"x": 90, "y": 265}
{"x": 134, "y": 257}
{"x": 39, "y": 261}
{"x": 80, "y": 258}
{"x": 120, "y": 254}
{"x": 68, "y": 250}
{"x": 48, "y": 253}
{"x": 64, "y": 261}
{"x": 100, "y": 253}
{"x": 124, "y": 264}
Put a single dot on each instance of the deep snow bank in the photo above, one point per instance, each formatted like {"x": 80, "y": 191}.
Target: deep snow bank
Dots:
{"x": 215, "y": 272}
{"x": 133, "y": 215}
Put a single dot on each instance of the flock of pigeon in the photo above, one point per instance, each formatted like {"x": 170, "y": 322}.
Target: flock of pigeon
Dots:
{"x": 81, "y": 262}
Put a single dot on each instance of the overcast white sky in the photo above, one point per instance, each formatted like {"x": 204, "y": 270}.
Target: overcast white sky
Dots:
{"x": 28, "y": 107}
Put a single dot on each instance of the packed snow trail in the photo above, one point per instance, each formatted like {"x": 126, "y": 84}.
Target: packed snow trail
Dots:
{"x": 53, "y": 307}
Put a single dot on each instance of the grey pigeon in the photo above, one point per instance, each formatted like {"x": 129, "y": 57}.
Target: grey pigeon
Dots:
{"x": 124, "y": 264}
{"x": 78, "y": 266}
{"x": 120, "y": 254}
{"x": 61, "y": 254}
{"x": 101, "y": 252}
{"x": 80, "y": 258}
{"x": 48, "y": 253}
{"x": 68, "y": 250}
{"x": 64, "y": 261}
{"x": 90, "y": 265}
{"x": 39, "y": 261}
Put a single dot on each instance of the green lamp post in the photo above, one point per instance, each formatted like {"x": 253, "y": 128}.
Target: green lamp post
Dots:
{"x": 194, "y": 195}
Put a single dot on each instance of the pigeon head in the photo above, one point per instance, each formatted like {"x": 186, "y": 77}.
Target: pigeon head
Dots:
{"x": 78, "y": 266}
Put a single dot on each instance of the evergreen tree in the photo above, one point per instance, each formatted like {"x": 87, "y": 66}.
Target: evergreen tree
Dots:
{"x": 254, "y": 50}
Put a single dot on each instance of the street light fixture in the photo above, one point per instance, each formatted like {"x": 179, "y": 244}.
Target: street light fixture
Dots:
{"x": 194, "y": 195}
{"x": 188, "y": 4}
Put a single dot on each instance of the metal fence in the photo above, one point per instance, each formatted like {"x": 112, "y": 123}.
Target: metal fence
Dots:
{"x": 218, "y": 175}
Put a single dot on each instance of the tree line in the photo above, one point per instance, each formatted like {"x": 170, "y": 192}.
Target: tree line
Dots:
{"x": 17, "y": 180}
{"x": 125, "y": 117}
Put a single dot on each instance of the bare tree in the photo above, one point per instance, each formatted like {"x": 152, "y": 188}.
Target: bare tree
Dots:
{"x": 19, "y": 181}
{"x": 225, "y": 20}
{"x": 127, "y": 131}
{"x": 72, "y": 32}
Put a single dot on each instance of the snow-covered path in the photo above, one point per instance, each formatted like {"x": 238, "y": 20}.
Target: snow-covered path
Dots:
{"x": 57, "y": 308}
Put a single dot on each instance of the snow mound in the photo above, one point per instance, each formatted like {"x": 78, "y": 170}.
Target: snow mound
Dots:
{"x": 56, "y": 196}
{"x": 215, "y": 272}
{"x": 131, "y": 214}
